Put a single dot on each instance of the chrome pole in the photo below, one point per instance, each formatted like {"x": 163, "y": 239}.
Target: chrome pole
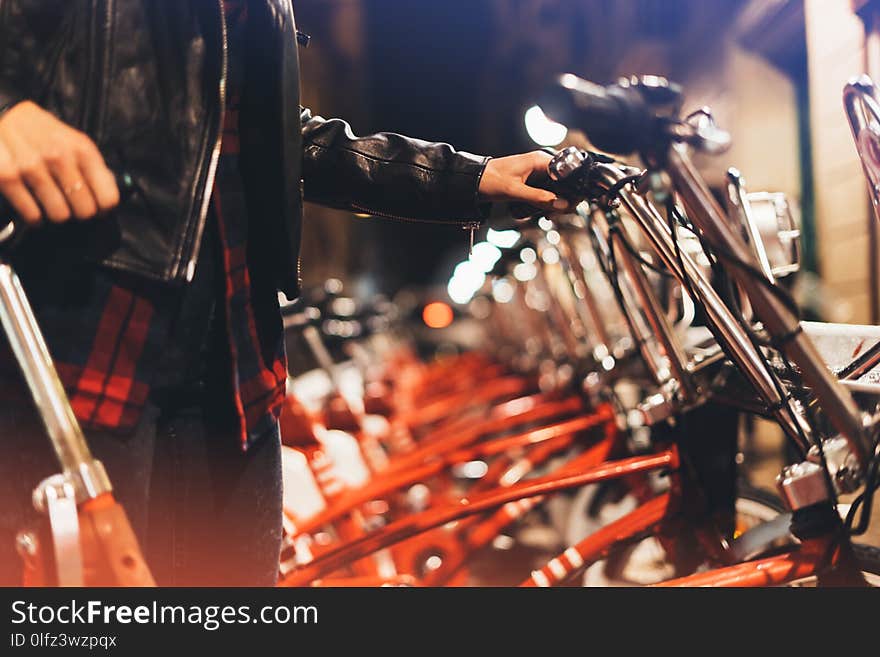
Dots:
{"x": 591, "y": 317}
{"x": 777, "y": 318}
{"x": 629, "y": 306}
{"x": 735, "y": 185}
{"x": 657, "y": 319}
{"x": 726, "y": 327}
{"x": 85, "y": 473}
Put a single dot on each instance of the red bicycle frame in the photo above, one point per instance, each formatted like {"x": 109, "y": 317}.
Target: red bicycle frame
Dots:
{"x": 660, "y": 515}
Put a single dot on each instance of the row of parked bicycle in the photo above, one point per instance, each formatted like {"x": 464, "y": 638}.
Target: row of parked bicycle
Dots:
{"x": 620, "y": 351}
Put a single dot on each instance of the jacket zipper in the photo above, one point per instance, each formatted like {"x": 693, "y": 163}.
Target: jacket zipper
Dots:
{"x": 471, "y": 226}
{"x": 91, "y": 71}
{"x": 207, "y": 190}
{"x": 100, "y": 109}
{"x": 299, "y": 259}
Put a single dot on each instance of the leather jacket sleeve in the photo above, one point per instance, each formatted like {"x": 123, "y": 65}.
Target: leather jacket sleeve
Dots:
{"x": 388, "y": 174}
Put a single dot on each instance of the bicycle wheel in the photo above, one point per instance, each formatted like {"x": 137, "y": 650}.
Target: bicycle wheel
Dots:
{"x": 646, "y": 562}
{"x": 760, "y": 504}
{"x": 868, "y": 558}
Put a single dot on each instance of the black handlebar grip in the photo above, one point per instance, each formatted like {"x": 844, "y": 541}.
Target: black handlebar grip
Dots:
{"x": 14, "y": 227}
{"x": 541, "y": 180}
{"x": 612, "y": 117}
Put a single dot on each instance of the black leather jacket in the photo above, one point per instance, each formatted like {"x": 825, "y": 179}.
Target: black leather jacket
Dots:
{"x": 145, "y": 79}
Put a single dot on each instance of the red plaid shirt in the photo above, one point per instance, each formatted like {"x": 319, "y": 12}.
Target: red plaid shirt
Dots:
{"x": 107, "y": 330}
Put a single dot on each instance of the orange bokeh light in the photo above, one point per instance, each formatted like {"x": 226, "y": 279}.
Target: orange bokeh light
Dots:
{"x": 437, "y": 315}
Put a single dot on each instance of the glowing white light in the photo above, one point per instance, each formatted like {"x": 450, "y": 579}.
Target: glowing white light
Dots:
{"x": 503, "y": 239}
{"x": 502, "y": 291}
{"x": 569, "y": 81}
{"x": 544, "y": 223}
{"x": 553, "y": 237}
{"x": 608, "y": 363}
{"x": 542, "y": 130}
{"x": 466, "y": 280}
{"x": 344, "y": 306}
{"x": 459, "y": 290}
{"x": 550, "y": 255}
{"x": 333, "y": 286}
{"x": 525, "y": 271}
{"x": 528, "y": 255}
{"x": 484, "y": 256}
{"x": 467, "y": 270}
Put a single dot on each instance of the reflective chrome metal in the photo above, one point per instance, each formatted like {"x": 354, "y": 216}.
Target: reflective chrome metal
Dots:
{"x": 724, "y": 323}
{"x": 802, "y": 484}
{"x": 589, "y": 311}
{"x": 737, "y": 194}
{"x": 862, "y": 104}
{"x": 842, "y": 463}
{"x": 656, "y": 408}
{"x": 564, "y": 327}
{"x": 8, "y": 232}
{"x": 566, "y": 162}
{"x": 778, "y": 319}
{"x": 86, "y": 474}
{"x": 770, "y": 225}
{"x": 864, "y": 364}
{"x": 662, "y": 329}
{"x": 590, "y": 247}
{"x": 56, "y": 497}
{"x": 632, "y": 312}
{"x": 779, "y": 230}
{"x": 701, "y": 132}
{"x": 757, "y": 540}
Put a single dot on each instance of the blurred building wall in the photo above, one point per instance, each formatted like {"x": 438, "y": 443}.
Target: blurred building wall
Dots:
{"x": 755, "y": 102}
{"x": 835, "y": 50}
{"x": 753, "y": 92}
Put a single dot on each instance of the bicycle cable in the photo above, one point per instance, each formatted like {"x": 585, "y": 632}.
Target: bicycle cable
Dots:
{"x": 866, "y": 498}
{"x": 674, "y": 218}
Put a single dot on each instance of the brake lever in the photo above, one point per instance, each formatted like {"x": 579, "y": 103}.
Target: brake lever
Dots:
{"x": 568, "y": 175}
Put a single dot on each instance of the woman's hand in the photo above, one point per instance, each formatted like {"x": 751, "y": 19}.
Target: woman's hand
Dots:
{"x": 50, "y": 170}
{"x": 504, "y": 179}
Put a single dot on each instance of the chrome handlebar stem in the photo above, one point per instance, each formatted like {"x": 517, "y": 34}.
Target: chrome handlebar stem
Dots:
{"x": 862, "y": 106}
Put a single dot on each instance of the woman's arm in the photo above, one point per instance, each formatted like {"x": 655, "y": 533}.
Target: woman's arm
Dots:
{"x": 393, "y": 175}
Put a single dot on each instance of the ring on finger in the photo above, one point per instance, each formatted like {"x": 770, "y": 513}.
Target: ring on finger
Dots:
{"x": 75, "y": 187}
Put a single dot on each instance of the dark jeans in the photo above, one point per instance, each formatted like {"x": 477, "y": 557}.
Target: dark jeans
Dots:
{"x": 205, "y": 513}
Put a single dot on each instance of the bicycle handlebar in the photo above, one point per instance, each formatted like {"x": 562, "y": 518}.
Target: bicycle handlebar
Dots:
{"x": 15, "y": 227}
{"x": 617, "y": 118}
